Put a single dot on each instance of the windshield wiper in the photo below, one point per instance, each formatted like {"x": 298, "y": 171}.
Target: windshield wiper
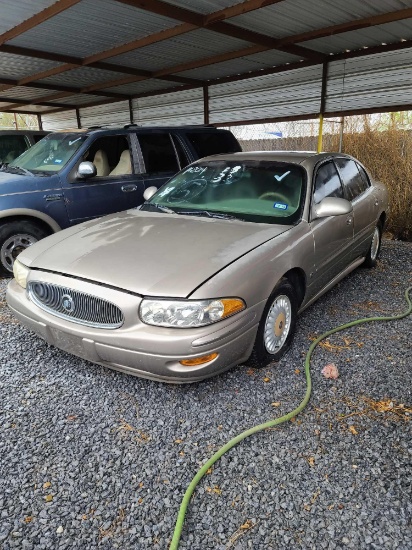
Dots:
{"x": 159, "y": 207}
{"x": 18, "y": 169}
{"x": 207, "y": 213}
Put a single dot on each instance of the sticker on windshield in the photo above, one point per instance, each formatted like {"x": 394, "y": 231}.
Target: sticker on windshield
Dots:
{"x": 280, "y": 178}
{"x": 74, "y": 141}
{"x": 280, "y": 206}
{"x": 57, "y": 161}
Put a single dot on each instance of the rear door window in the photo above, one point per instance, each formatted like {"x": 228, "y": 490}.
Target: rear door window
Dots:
{"x": 159, "y": 154}
{"x": 327, "y": 183}
{"x": 353, "y": 182}
{"x": 12, "y": 146}
{"x": 212, "y": 143}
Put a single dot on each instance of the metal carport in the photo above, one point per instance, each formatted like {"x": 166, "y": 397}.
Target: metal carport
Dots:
{"x": 86, "y": 62}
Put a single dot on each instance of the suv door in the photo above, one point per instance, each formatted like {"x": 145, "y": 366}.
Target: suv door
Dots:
{"x": 365, "y": 205}
{"x": 115, "y": 187}
{"x": 333, "y": 236}
{"x": 161, "y": 157}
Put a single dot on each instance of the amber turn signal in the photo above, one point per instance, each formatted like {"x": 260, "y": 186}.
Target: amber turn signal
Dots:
{"x": 231, "y": 306}
{"x": 198, "y": 360}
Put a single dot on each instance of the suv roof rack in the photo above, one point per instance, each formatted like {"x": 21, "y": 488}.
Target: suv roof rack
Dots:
{"x": 130, "y": 125}
{"x": 94, "y": 127}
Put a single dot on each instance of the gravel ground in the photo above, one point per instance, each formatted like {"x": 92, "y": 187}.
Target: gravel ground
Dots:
{"x": 91, "y": 458}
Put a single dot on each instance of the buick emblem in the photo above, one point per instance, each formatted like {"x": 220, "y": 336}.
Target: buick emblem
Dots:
{"x": 67, "y": 303}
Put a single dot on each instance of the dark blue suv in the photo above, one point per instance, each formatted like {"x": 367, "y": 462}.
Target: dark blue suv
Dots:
{"x": 72, "y": 176}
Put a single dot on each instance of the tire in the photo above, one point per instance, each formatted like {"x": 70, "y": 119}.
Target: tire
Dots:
{"x": 15, "y": 237}
{"x": 279, "y": 315}
{"x": 375, "y": 247}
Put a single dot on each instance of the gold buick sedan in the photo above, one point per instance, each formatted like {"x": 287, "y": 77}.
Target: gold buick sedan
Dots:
{"x": 210, "y": 272}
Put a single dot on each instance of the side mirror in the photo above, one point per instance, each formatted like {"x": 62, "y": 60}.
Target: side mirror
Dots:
{"x": 86, "y": 170}
{"x": 149, "y": 192}
{"x": 331, "y": 206}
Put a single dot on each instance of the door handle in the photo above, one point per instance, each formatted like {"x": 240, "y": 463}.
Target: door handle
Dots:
{"x": 129, "y": 188}
{"x": 56, "y": 197}
{"x": 349, "y": 220}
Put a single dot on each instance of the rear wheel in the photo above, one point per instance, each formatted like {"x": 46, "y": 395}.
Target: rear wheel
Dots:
{"x": 375, "y": 247}
{"x": 276, "y": 327}
{"x": 14, "y": 238}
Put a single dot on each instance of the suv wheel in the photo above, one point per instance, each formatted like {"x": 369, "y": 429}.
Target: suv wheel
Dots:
{"x": 14, "y": 238}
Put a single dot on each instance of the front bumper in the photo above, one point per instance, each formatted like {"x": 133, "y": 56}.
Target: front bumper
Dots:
{"x": 136, "y": 348}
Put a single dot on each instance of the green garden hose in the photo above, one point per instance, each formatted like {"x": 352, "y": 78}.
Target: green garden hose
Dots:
{"x": 189, "y": 491}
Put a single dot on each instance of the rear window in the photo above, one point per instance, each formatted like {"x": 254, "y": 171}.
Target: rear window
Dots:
{"x": 213, "y": 143}
{"x": 352, "y": 179}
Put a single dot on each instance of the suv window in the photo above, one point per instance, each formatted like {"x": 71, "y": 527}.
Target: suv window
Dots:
{"x": 212, "y": 143}
{"x": 327, "y": 183}
{"x": 111, "y": 156}
{"x": 158, "y": 152}
{"x": 352, "y": 180}
{"x": 12, "y": 146}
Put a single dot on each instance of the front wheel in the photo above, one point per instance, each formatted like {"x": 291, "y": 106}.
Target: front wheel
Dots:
{"x": 375, "y": 247}
{"x": 15, "y": 237}
{"x": 276, "y": 327}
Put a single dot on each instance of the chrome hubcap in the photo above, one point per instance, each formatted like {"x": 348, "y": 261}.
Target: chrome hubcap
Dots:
{"x": 375, "y": 243}
{"x": 12, "y": 247}
{"x": 277, "y": 325}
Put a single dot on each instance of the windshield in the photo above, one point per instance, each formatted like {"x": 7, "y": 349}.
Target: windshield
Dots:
{"x": 50, "y": 154}
{"x": 257, "y": 191}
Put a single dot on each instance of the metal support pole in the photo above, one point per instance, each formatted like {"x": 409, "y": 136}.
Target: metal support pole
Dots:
{"x": 205, "y": 104}
{"x": 79, "y": 122}
{"x": 322, "y": 104}
{"x": 320, "y": 134}
{"x": 342, "y": 124}
{"x": 39, "y": 122}
{"x": 131, "y": 110}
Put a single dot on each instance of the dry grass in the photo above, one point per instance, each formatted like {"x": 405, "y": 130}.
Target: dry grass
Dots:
{"x": 385, "y": 148}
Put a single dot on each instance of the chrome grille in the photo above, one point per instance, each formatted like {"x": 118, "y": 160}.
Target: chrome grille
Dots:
{"x": 75, "y": 306}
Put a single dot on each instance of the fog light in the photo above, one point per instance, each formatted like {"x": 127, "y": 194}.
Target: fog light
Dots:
{"x": 198, "y": 360}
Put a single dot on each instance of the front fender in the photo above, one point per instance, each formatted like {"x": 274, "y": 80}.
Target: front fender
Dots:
{"x": 253, "y": 276}
{"x": 29, "y": 213}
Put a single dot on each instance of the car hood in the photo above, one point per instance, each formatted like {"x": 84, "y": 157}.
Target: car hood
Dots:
{"x": 13, "y": 184}
{"x": 149, "y": 253}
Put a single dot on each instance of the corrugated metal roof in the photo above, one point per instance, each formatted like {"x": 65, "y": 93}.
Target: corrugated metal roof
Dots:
{"x": 23, "y": 92}
{"x": 18, "y": 66}
{"x": 296, "y": 16}
{"x": 202, "y": 6}
{"x": 14, "y": 13}
{"x": 151, "y": 85}
{"x": 90, "y": 27}
{"x": 182, "y": 49}
{"x": 355, "y": 40}
{"x": 263, "y": 60}
{"x": 78, "y": 99}
{"x": 83, "y": 76}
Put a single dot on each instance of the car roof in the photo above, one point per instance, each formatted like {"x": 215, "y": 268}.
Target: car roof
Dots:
{"x": 296, "y": 157}
{"x": 131, "y": 128}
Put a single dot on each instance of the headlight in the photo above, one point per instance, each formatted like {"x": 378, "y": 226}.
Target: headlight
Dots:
{"x": 20, "y": 272}
{"x": 188, "y": 313}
